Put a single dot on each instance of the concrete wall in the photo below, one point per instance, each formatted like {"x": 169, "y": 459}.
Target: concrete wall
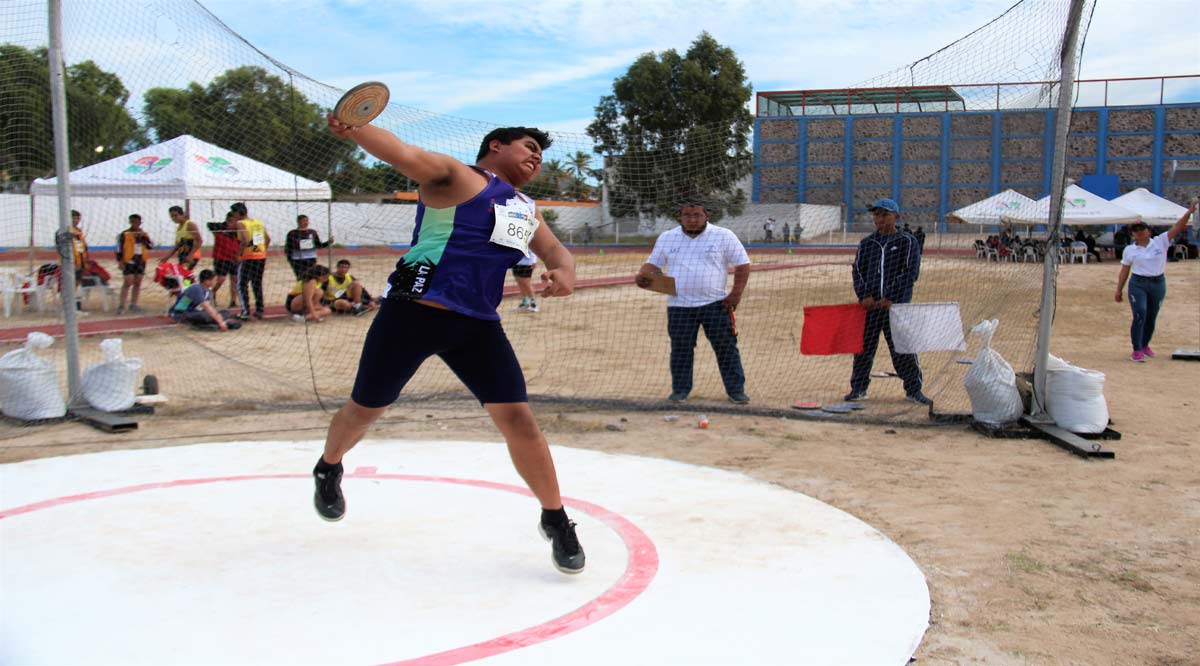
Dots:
{"x": 933, "y": 163}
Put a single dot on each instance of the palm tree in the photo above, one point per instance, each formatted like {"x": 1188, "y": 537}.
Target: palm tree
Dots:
{"x": 579, "y": 164}
{"x": 555, "y": 172}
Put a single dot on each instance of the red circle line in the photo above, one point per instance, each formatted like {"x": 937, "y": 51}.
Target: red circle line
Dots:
{"x": 639, "y": 570}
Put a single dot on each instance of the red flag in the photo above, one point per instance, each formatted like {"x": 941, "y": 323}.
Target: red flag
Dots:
{"x": 833, "y": 329}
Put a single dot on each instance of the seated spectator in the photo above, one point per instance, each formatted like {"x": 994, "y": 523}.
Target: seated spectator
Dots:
{"x": 996, "y": 243}
{"x": 304, "y": 299}
{"x": 1121, "y": 238}
{"x": 1088, "y": 240}
{"x": 1190, "y": 250}
{"x": 344, "y": 294}
{"x": 195, "y": 306}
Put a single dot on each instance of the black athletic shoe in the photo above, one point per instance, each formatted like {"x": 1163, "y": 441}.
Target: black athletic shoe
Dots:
{"x": 919, "y": 398}
{"x": 328, "y": 499}
{"x": 739, "y": 398}
{"x": 855, "y": 396}
{"x": 678, "y": 396}
{"x": 567, "y": 553}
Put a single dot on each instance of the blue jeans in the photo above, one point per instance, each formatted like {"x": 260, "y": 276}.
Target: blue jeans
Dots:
{"x": 683, "y": 326}
{"x": 1146, "y": 294}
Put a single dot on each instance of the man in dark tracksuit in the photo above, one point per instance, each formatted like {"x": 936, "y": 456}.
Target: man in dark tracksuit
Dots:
{"x": 886, "y": 266}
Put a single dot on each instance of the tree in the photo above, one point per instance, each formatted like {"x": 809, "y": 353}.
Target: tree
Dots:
{"x": 96, "y": 115}
{"x": 261, "y": 116}
{"x": 677, "y": 129}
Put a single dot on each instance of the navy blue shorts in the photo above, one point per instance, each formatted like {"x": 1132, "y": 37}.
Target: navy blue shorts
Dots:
{"x": 404, "y": 334}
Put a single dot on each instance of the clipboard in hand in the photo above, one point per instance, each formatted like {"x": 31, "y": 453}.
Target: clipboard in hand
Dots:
{"x": 663, "y": 284}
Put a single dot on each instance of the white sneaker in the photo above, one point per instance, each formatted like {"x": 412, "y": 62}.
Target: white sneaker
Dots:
{"x": 298, "y": 318}
{"x": 533, "y": 306}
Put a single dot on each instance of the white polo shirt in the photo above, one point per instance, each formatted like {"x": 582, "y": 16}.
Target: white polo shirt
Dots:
{"x": 699, "y": 265}
{"x": 1149, "y": 261}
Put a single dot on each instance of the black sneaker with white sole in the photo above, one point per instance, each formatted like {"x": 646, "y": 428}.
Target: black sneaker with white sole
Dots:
{"x": 328, "y": 498}
{"x": 567, "y": 554}
{"x": 855, "y": 396}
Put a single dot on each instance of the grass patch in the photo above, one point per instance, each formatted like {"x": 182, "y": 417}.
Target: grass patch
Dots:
{"x": 1133, "y": 580}
{"x": 1024, "y": 563}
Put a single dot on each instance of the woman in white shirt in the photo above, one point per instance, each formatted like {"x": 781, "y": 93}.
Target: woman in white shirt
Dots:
{"x": 1146, "y": 258}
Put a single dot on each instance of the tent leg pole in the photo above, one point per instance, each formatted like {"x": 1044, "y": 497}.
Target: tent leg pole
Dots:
{"x": 32, "y": 218}
{"x": 329, "y": 229}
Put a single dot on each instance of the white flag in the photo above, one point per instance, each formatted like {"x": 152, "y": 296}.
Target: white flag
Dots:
{"x": 926, "y": 327}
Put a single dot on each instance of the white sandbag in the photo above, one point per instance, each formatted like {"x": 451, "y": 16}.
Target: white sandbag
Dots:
{"x": 112, "y": 385}
{"x": 29, "y": 388}
{"x": 991, "y": 383}
{"x": 1075, "y": 397}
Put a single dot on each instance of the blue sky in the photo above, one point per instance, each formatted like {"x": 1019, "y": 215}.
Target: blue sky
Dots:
{"x": 547, "y": 62}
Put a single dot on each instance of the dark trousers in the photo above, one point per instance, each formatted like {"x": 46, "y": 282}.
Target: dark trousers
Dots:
{"x": 683, "y": 326}
{"x": 250, "y": 274}
{"x": 1146, "y": 294}
{"x": 905, "y": 364}
{"x": 200, "y": 318}
{"x": 301, "y": 265}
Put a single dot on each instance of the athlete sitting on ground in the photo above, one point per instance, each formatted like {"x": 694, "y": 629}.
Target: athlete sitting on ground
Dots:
{"x": 304, "y": 298}
{"x": 345, "y": 294}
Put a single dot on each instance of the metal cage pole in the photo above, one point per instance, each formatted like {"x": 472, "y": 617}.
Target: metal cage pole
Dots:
{"x": 1057, "y": 185}
{"x": 62, "y": 165}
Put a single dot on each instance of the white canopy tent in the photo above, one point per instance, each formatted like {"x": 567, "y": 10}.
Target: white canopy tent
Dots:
{"x": 990, "y": 210}
{"x": 187, "y": 168}
{"x": 1153, "y": 208}
{"x": 1080, "y": 208}
{"x": 182, "y": 169}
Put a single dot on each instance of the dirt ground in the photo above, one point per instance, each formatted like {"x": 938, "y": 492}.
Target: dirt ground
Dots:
{"x": 1032, "y": 555}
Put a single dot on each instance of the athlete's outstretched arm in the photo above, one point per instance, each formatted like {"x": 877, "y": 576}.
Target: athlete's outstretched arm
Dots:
{"x": 423, "y": 166}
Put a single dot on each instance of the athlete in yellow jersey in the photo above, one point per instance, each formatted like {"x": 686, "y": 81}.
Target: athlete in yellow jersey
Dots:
{"x": 255, "y": 240}
{"x": 132, "y": 245}
{"x": 78, "y": 244}
{"x": 188, "y": 240}
{"x": 345, "y": 294}
{"x": 304, "y": 299}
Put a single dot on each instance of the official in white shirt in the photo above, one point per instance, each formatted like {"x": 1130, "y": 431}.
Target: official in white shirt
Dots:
{"x": 697, "y": 254}
{"x": 1146, "y": 258}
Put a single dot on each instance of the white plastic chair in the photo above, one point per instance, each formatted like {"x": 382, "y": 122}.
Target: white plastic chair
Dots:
{"x": 1179, "y": 252}
{"x": 16, "y": 288}
{"x": 1079, "y": 251}
{"x": 84, "y": 294}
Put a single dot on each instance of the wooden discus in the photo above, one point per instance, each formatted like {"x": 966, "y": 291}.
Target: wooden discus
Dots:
{"x": 362, "y": 103}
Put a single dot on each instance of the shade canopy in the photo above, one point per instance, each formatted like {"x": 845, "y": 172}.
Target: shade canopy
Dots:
{"x": 990, "y": 210}
{"x": 1080, "y": 208}
{"x": 1153, "y": 208}
{"x": 187, "y": 168}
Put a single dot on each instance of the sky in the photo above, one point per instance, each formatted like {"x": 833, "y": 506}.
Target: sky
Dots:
{"x": 546, "y": 63}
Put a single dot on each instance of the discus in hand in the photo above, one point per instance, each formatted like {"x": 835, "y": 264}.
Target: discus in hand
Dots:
{"x": 362, "y": 104}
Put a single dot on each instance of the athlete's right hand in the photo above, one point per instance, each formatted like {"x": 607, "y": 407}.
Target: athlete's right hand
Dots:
{"x": 339, "y": 128}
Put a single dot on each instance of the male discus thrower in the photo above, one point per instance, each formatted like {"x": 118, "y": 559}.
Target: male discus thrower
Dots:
{"x": 362, "y": 104}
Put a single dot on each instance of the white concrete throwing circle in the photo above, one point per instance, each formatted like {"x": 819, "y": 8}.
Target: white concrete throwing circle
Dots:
{"x": 213, "y": 554}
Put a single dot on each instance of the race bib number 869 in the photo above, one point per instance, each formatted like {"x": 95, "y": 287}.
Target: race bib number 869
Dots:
{"x": 515, "y": 224}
